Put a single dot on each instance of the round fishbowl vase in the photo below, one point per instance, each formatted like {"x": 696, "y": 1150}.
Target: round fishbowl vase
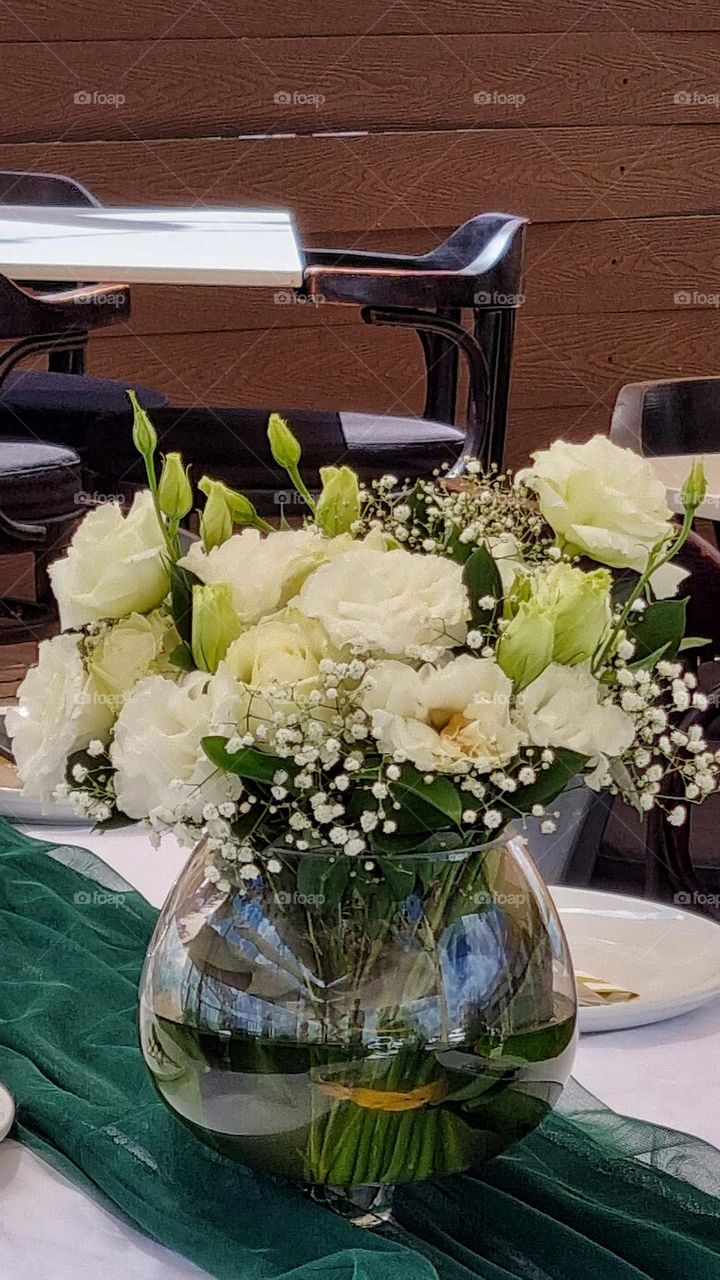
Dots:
{"x": 351, "y": 1038}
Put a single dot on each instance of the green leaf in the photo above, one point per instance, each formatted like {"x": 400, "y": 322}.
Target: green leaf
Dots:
{"x": 439, "y": 796}
{"x": 482, "y": 578}
{"x": 645, "y": 663}
{"x": 181, "y": 656}
{"x": 247, "y": 763}
{"x": 323, "y": 880}
{"x": 310, "y": 874}
{"x": 182, "y": 582}
{"x": 400, "y": 878}
{"x": 693, "y": 642}
{"x": 551, "y": 782}
{"x": 662, "y": 623}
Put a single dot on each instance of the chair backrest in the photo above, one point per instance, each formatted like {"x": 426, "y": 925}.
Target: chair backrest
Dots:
{"x": 478, "y": 269}
{"x": 679, "y": 415}
{"x": 18, "y": 187}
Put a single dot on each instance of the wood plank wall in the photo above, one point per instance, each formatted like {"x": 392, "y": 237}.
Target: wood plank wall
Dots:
{"x": 599, "y": 121}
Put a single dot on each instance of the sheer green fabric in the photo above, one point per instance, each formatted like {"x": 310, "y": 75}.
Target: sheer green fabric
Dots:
{"x": 588, "y": 1195}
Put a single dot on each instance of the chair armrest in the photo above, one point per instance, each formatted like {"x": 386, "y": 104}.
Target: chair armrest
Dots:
{"x": 483, "y": 258}
{"x": 24, "y": 312}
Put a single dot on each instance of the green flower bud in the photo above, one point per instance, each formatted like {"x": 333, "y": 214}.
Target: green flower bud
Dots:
{"x": 216, "y": 523}
{"x": 563, "y": 618}
{"x": 144, "y": 433}
{"x": 241, "y": 508}
{"x": 339, "y": 503}
{"x": 284, "y": 446}
{"x": 174, "y": 490}
{"x": 695, "y": 487}
{"x": 215, "y": 624}
{"x": 525, "y": 647}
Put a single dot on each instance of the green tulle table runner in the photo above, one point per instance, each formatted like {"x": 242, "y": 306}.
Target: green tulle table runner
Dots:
{"x": 590, "y": 1195}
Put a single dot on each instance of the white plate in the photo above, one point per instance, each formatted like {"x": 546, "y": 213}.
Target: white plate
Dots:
{"x": 20, "y": 808}
{"x": 7, "y": 1111}
{"x": 669, "y": 956}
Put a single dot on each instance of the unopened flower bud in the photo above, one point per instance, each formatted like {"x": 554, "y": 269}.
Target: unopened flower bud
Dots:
{"x": 215, "y": 624}
{"x": 144, "y": 434}
{"x": 216, "y": 524}
{"x": 241, "y": 508}
{"x": 695, "y": 487}
{"x": 284, "y": 446}
{"x": 339, "y": 503}
{"x": 174, "y": 490}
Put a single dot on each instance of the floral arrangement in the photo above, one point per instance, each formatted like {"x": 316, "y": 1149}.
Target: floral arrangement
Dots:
{"x": 417, "y": 659}
{"x": 350, "y": 713}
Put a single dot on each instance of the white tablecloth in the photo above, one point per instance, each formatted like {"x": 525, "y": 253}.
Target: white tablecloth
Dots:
{"x": 668, "y": 1073}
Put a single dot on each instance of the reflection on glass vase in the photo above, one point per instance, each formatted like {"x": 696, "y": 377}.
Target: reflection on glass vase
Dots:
{"x": 352, "y": 1041}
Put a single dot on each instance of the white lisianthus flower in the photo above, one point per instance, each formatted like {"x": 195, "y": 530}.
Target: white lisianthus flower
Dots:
{"x": 284, "y": 649}
{"x": 158, "y": 743}
{"x": 388, "y": 602}
{"x": 60, "y": 710}
{"x": 133, "y": 647}
{"x": 264, "y": 571}
{"x": 564, "y": 708}
{"x": 448, "y": 719}
{"x": 601, "y": 500}
{"x": 114, "y": 565}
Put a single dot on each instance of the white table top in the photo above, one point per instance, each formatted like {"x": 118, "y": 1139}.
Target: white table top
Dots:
{"x": 668, "y": 1073}
{"x": 256, "y": 247}
{"x": 674, "y": 469}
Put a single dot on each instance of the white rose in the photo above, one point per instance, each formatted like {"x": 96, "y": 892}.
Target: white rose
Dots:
{"x": 114, "y": 565}
{"x": 605, "y": 501}
{"x": 158, "y": 742}
{"x": 131, "y": 648}
{"x": 59, "y": 711}
{"x": 450, "y": 718}
{"x": 264, "y": 571}
{"x": 388, "y": 602}
{"x": 563, "y": 708}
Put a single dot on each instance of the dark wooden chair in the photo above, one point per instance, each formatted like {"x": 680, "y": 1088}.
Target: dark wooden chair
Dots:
{"x": 478, "y": 270}
{"x": 670, "y": 416}
{"x": 55, "y": 320}
{"x": 673, "y": 416}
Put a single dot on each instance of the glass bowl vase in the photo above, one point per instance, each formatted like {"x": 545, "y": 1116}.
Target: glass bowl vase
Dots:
{"x": 349, "y": 1030}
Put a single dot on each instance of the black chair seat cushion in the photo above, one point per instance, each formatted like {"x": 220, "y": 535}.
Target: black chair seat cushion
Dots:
{"x": 39, "y": 481}
{"x": 67, "y": 407}
{"x": 231, "y": 445}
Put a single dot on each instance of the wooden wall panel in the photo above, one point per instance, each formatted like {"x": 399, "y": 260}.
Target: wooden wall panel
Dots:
{"x": 560, "y": 361}
{"x": 210, "y": 88}
{"x": 618, "y": 177}
{"x": 395, "y": 181}
{"x": 36, "y": 20}
{"x": 586, "y": 267}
